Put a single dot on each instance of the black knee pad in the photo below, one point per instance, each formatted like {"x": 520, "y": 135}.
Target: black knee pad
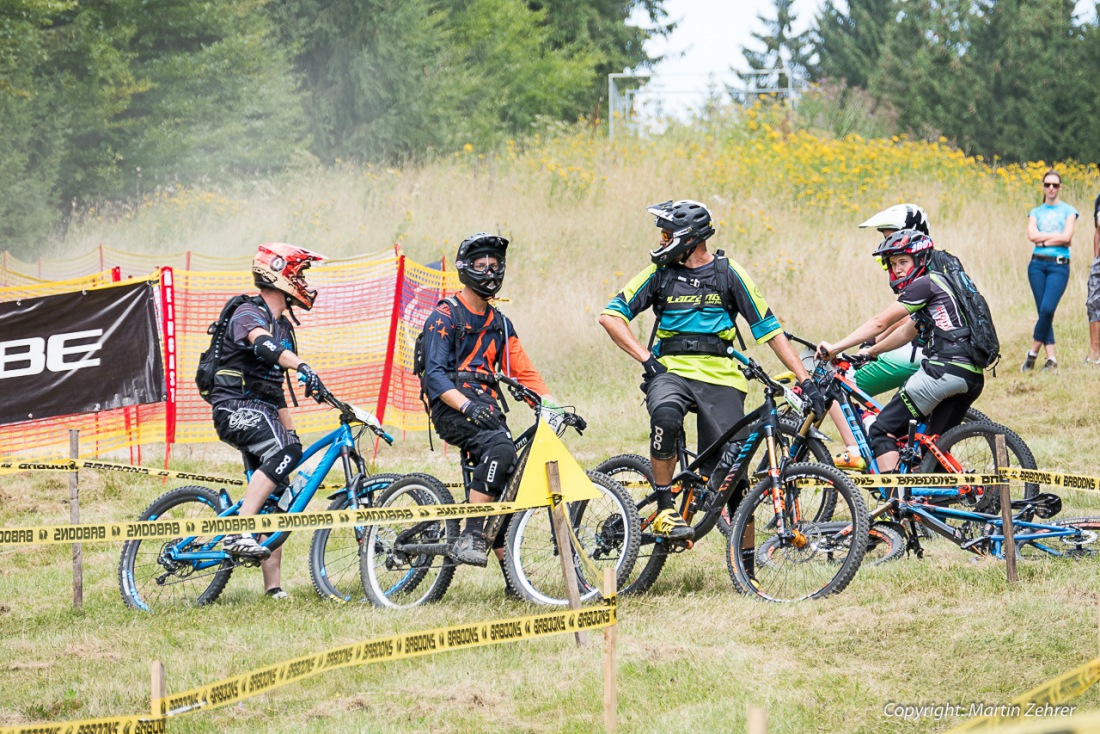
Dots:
{"x": 279, "y": 466}
{"x": 881, "y": 441}
{"x": 492, "y": 472}
{"x": 665, "y": 426}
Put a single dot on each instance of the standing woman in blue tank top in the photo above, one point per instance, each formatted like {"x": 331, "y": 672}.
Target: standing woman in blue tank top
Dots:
{"x": 1050, "y": 228}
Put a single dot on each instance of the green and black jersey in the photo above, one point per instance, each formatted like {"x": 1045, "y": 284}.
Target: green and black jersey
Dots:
{"x": 694, "y": 306}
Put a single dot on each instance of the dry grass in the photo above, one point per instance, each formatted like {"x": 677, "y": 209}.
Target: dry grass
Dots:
{"x": 693, "y": 653}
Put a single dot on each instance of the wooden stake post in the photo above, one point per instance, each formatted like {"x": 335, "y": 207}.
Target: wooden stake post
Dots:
{"x": 610, "y": 690}
{"x": 1009, "y": 545}
{"x": 74, "y": 518}
{"x": 757, "y": 721}
{"x": 156, "y": 673}
{"x": 565, "y": 544}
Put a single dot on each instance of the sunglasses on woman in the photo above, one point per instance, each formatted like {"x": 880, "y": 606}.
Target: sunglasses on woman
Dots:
{"x": 1051, "y": 184}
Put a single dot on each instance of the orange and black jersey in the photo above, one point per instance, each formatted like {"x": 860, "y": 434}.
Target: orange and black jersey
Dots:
{"x": 453, "y": 361}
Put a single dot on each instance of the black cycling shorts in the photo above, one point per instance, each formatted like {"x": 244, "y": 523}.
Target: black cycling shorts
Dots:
{"x": 252, "y": 426}
{"x": 718, "y": 406}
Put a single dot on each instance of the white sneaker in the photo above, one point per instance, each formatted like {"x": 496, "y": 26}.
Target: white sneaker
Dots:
{"x": 244, "y": 546}
{"x": 277, "y": 593}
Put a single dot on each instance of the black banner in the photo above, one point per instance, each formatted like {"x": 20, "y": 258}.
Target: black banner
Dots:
{"x": 79, "y": 353}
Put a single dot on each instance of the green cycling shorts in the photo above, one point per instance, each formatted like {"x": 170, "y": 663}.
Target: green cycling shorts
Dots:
{"x": 890, "y": 371}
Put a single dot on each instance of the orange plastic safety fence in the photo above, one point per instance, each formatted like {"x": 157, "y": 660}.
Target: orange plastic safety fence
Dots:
{"x": 14, "y": 271}
{"x": 346, "y": 338}
{"x": 35, "y": 289}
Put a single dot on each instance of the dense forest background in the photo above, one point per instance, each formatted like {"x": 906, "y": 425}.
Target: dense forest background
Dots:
{"x": 105, "y": 100}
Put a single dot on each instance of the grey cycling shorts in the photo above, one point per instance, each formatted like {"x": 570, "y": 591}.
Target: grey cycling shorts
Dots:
{"x": 1092, "y": 302}
{"x": 926, "y": 391}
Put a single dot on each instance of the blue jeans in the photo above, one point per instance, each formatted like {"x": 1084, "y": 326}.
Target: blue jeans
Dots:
{"x": 1048, "y": 283}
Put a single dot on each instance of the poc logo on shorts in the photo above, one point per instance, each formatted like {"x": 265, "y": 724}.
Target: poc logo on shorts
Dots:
{"x": 34, "y": 355}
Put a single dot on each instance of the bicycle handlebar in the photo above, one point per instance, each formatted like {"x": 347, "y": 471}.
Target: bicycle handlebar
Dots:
{"x": 522, "y": 392}
{"x": 349, "y": 413}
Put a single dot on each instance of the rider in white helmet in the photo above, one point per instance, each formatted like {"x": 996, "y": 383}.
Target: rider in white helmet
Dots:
{"x": 890, "y": 370}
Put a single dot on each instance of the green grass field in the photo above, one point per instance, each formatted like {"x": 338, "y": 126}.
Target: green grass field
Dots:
{"x": 693, "y": 654}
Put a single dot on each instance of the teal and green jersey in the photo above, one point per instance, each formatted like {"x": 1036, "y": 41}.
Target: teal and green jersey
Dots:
{"x": 694, "y": 306}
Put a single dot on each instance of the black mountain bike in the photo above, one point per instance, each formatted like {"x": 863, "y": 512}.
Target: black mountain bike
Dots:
{"x": 810, "y": 564}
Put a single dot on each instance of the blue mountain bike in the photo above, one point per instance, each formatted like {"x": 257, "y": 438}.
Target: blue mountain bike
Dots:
{"x": 194, "y": 570}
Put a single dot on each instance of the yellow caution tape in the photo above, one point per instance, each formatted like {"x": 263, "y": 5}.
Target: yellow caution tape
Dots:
{"x": 910, "y": 480}
{"x": 1056, "y": 722}
{"x": 365, "y": 652}
{"x": 383, "y": 649}
{"x": 112, "y": 725}
{"x": 13, "y": 467}
{"x": 263, "y": 524}
{"x": 1057, "y": 479}
{"x": 1056, "y": 692}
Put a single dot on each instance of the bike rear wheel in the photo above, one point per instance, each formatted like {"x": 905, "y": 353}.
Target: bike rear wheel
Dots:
{"x": 973, "y": 446}
{"x": 1083, "y": 545}
{"x": 406, "y": 564}
{"x": 148, "y": 578}
{"x": 334, "y": 552}
{"x": 806, "y": 559}
{"x": 606, "y": 528}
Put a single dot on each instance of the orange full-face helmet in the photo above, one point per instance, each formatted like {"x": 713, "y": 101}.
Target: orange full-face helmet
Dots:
{"x": 281, "y": 266}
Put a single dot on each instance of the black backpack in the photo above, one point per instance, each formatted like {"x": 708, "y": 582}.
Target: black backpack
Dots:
{"x": 981, "y": 345}
{"x": 212, "y": 357}
{"x": 666, "y": 277}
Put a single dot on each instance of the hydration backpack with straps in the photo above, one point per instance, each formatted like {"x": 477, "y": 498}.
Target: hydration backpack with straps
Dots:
{"x": 699, "y": 343}
{"x": 978, "y": 340}
{"x": 211, "y": 359}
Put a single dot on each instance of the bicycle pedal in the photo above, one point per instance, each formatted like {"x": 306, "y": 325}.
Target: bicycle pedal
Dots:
{"x": 679, "y": 546}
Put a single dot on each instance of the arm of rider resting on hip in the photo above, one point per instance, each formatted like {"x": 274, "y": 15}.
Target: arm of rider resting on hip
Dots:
{"x": 619, "y": 331}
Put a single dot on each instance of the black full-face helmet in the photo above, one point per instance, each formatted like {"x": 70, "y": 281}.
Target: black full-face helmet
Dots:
{"x": 687, "y": 224}
{"x": 485, "y": 282}
{"x": 910, "y": 242}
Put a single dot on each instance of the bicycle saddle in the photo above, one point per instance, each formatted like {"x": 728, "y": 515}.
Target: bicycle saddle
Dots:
{"x": 1046, "y": 504}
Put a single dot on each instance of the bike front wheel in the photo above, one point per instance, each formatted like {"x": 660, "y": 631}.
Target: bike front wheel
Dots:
{"x": 775, "y": 553}
{"x": 406, "y": 564}
{"x": 148, "y": 576}
{"x": 635, "y": 474}
{"x": 334, "y": 552}
{"x": 606, "y": 528}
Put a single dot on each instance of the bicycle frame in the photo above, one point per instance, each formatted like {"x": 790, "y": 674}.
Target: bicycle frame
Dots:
{"x": 930, "y": 516}
{"x": 851, "y": 398}
{"x": 340, "y": 443}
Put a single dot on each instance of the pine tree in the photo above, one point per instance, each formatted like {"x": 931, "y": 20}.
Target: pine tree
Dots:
{"x": 782, "y": 49}
{"x": 848, "y": 44}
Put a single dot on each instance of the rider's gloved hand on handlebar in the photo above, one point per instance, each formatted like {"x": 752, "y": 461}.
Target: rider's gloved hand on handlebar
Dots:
{"x": 813, "y": 395}
{"x": 314, "y": 388}
{"x": 482, "y": 415}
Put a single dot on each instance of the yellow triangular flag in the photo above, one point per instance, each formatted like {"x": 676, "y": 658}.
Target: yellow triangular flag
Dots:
{"x": 534, "y": 487}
